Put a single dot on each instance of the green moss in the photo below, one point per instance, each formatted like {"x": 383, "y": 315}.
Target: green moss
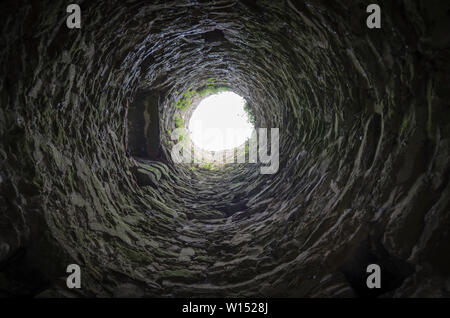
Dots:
{"x": 178, "y": 121}
{"x": 212, "y": 90}
{"x": 179, "y": 273}
{"x": 185, "y": 100}
{"x": 137, "y": 257}
{"x": 249, "y": 111}
{"x": 206, "y": 166}
{"x": 210, "y": 82}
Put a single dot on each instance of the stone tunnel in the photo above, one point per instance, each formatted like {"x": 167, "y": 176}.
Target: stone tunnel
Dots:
{"x": 87, "y": 177}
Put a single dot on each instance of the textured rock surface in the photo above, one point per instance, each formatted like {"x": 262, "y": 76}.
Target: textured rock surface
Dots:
{"x": 364, "y": 150}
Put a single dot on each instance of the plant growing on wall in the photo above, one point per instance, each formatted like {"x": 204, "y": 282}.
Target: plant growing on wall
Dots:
{"x": 184, "y": 101}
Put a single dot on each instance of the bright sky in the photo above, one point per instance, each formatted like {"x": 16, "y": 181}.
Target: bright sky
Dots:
{"x": 219, "y": 122}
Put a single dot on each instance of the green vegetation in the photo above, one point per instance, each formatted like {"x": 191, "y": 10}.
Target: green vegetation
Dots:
{"x": 178, "y": 121}
{"x": 185, "y": 101}
{"x": 206, "y": 166}
{"x": 249, "y": 111}
{"x": 212, "y": 90}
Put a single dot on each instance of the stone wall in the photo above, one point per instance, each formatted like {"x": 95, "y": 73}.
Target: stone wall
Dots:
{"x": 364, "y": 149}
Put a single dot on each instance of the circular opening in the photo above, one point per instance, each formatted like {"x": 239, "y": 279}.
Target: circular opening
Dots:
{"x": 220, "y": 121}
